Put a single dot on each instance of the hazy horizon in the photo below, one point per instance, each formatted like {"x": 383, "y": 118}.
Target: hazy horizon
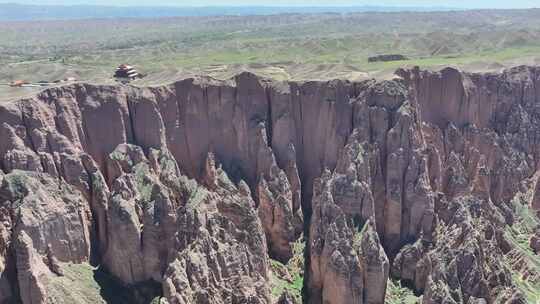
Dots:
{"x": 474, "y": 4}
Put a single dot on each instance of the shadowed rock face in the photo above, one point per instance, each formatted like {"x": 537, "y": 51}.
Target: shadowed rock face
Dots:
{"x": 197, "y": 185}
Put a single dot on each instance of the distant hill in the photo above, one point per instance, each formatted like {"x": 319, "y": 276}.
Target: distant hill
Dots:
{"x": 14, "y": 12}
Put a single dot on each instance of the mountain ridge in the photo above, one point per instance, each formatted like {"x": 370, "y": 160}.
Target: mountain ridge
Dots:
{"x": 26, "y": 12}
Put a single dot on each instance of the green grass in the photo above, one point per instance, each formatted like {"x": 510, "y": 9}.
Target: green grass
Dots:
{"x": 329, "y": 54}
{"x": 461, "y": 59}
{"x": 144, "y": 184}
{"x": 397, "y": 294}
{"x": 76, "y": 286}
{"x": 16, "y": 183}
{"x": 298, "y": 47}
{"x": 280, "y": 284}
{"x": 295, "y": 269}
{"x": 518, "y": 235}
{"x": 530, "y": 290}
{"x": 84, "y": 284}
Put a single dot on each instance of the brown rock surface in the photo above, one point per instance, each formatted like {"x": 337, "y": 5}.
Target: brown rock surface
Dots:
{"x": 195, "y": 185}
{"x": 286, "y": 298}
{"x": 534, "y": 242}
{"x": 52, "y": 223}
{"x": 347, "y": 262}
{"x": 221, "y": 256}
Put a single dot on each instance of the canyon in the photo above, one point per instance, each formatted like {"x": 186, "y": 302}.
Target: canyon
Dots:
{"x": 207, "y": 191}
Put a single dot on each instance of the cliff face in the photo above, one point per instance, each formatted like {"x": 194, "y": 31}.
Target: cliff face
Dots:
{"x": 199, "y": 186}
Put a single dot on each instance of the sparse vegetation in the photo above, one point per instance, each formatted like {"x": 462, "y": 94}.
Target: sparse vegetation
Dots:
{"x": 77, "y": 285}
{"x": 398, "y": 294}
{"x": 291, "y": 276}
{"x": 83, "y": 283}
{"x": 144, "y": 184}
{"x": 522, "y": 261}
{"x": 284, "y": 47}
{"x": 16, "y": 183}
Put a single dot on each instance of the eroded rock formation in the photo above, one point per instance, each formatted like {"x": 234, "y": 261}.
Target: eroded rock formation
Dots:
{"x": 428, "y": 179}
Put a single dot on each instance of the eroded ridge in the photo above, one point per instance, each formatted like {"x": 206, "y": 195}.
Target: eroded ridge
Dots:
{"x": 202, "y": 186}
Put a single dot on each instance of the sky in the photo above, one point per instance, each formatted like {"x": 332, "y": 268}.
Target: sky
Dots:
{"x": 416, "y": 3}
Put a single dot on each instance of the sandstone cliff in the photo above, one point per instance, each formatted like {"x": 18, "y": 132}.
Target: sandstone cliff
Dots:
{"x": 203, "y": 187}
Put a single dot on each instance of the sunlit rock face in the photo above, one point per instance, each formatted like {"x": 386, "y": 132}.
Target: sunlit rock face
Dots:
{"x": 200, "y": 185}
